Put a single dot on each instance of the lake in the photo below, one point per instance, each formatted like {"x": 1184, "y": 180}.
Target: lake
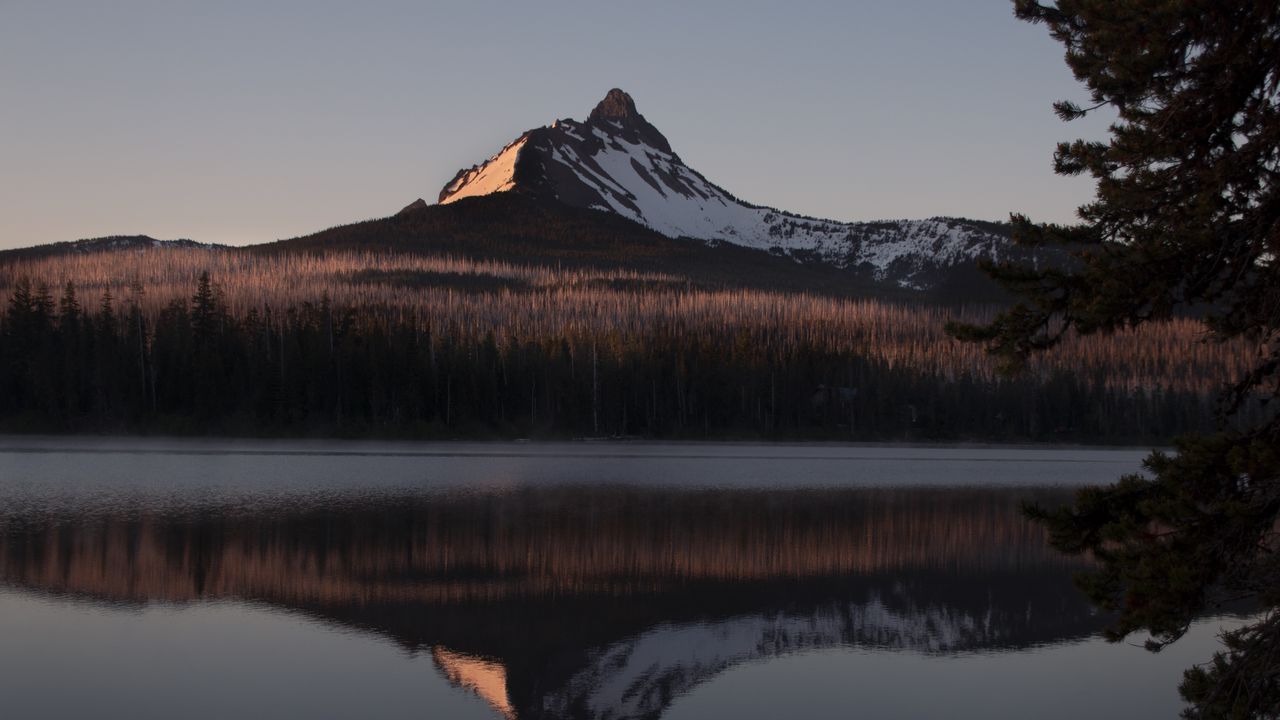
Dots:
{"x": 213, "y": 579}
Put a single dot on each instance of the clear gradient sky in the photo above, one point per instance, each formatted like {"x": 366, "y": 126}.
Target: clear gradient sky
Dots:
{"x": 241, "y": 122}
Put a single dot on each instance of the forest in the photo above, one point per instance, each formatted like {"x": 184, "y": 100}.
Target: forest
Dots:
{"x": 196, "y": 340}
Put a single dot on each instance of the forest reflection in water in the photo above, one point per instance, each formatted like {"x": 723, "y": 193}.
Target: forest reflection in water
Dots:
{"x": 588, "y": 600}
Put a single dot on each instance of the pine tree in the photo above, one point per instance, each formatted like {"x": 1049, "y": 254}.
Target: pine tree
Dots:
{"x": 1186, "y": 218}
{"x": 204, "y": 310}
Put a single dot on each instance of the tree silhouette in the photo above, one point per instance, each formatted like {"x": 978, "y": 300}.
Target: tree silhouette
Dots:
{"x": 1186, "y": 219}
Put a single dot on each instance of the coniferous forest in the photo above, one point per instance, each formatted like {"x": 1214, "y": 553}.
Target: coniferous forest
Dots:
{"x": 435, "y": 347}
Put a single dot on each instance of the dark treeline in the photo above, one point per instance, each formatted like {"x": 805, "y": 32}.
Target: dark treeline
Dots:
{"x": 314, "y": 369}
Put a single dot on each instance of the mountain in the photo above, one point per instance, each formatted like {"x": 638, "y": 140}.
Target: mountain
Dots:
{"x": 617, "y": 162}
{"x": 111, "y": 243}
{"x": 610, "y": 192}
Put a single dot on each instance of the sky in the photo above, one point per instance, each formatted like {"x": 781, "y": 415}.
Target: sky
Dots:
{"x": 244, "y": 122}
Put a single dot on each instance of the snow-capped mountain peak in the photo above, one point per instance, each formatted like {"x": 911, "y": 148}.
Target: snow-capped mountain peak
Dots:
{"x": 618, "y": 162}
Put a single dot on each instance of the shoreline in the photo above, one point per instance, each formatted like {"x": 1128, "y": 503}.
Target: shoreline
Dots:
{"x": 186, "y": 444}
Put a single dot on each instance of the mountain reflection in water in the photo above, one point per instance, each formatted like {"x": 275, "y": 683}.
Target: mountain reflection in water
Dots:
{"x": 592, "y": 601}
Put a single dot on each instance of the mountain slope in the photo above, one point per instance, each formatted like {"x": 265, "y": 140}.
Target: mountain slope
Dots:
{"x": 513, "y": 227}
{"x": 517, "y": 228}
{"x": 617, "y": 162}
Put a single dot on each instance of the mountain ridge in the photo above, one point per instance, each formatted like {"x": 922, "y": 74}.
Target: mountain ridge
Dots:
{"x": 106, "y": 243}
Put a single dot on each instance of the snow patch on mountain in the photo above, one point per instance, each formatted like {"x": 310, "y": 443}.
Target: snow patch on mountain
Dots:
{"x": 497, "y": 174}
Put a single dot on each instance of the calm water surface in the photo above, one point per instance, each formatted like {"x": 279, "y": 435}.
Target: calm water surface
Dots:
{"x": 150, "y": 579}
